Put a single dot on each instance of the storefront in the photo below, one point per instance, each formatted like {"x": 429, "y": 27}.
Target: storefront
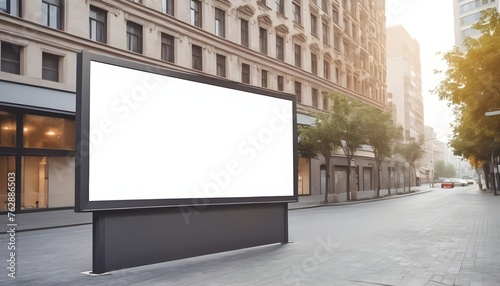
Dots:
{"x": 37, "y": 153}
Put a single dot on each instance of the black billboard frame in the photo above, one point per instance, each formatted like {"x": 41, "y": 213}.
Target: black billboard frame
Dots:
{"x": 82, "y": 202}
{"x": 234, "y": 223}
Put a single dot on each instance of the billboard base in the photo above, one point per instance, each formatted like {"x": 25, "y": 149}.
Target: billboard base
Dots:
{"x": 135, "y": 237}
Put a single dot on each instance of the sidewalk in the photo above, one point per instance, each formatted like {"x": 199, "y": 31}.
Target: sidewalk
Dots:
{"x": 317, "y": 200}
{"x": 65, "y": 218}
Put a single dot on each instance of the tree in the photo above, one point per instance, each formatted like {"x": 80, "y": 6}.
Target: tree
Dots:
{"x": 411, "y": 153}
{"x": 347, "y": 115}
{"x": 321, "y": 137}
{"x": 450, "y": 171}
{"x": 440, "y": 169}
{"x": 443, "y": 170}
{"x": 472, "y": 86}
{"x": 381, "y": 134}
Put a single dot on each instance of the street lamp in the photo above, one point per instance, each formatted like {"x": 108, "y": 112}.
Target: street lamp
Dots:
{"x": 492, "y": 113}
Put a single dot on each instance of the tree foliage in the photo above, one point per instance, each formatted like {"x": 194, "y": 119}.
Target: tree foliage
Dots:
{"x": 322, "y": 137}
{"x": 411, "y": 152}
{"x": 349, "y": 120}
{"x": 381, "y": 134}
{"x": 443, "y": 170}
{"x": 472, "y": 86}
{"x": 347, "y": 125}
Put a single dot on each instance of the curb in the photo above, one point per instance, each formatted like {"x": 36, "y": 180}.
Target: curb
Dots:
{"x": 361, "y": 201}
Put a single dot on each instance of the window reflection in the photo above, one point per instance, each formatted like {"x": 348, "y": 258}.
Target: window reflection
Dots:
{"x": 7, "y": 129}
{"x": 48, "y": 132}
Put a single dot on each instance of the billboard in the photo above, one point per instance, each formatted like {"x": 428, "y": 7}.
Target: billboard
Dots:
{"x": 151, "y": 137}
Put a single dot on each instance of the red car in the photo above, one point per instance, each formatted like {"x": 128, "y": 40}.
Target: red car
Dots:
{"x": 447, "y": 184}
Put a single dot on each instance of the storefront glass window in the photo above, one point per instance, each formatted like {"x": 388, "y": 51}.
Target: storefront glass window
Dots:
{"x": 47, "y": 182}
{"x": 7, "y": 129}
{"x": 7, "y": 181}
{"x": 48, "y": 132}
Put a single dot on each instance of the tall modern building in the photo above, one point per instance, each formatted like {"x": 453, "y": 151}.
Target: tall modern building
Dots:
{"x": 404, "y": 81}
{"x": 305, "y": 48}
{"x": 466, "y": 13}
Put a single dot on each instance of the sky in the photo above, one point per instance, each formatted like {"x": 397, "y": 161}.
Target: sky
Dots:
{"x": 430, "y": 22}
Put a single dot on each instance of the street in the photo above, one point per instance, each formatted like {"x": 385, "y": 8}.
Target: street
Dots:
{"x": 443, "y": 237}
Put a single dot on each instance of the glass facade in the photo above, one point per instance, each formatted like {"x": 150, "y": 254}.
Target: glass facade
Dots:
{"x": 37, "y": 162}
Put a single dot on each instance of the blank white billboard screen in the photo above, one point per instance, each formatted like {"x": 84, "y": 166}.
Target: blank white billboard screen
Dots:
{"x": 159, "y": 137}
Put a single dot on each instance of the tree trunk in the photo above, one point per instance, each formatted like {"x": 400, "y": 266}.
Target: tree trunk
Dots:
{"x": 409, "y": 178}
{"x": 479, "y": 182}
{"x": 486, "y": 171}
{"x": 493, "y": 181}
{"x": 327, "y": 185}
{"x": 348, "y": 191}
{"x": 389, "y": 180}
{"x": 378, "y": 178}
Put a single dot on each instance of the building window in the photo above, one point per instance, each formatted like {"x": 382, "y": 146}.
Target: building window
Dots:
{"x": 314, "y": 64}
{"x": 245, "y": 36}
{"x": 197, "y": 58}
{"x": 221, "y": 65}
{"x": 337, "y": 75}
{"x": 8, "y": 125}
{"x": 167, "y": 48}
{"x": 297, "y": 51}
{"x": 50, "y": 67}
{"x": 280, "y": 82}
{"x": 280, "y": 48}
{"x": 263, "y": 78}
{"x": 12, "y": 7}
{"x": 167, "y": 7}
{"x": 7, "y": 171}
{"x": 263, "y": 2}
{"x": 134, "y": 37}
{"x": 52, "y": 13}
{"x": 280, "y": 7}
{"x": 245, "y": 73}
{"x": 314, "y": 92}
{"x": 263, "y": 40}
{"x": 47, "y": 182}
{"x": 220, "y": 23}
{"x": 10, "y": 55}
{"x": 347, "y": 50}
{"x": 326, "y": 69}
{"x": 196, "y": 13}
{"x": 326, "y": 33}
{"x": 298, "y": 90}
{"x": 324, "y": 5}
{"x": 43, "y": 132}
{"x": 347, "y": 27}
{"x": 326, "y": 105}
{"x": 296, "y": 11}
{"x": 336, "y": 41}
{"x": 335, "y": 16}
{"x": 97, "y": 24}
{"x": 314, "y": 24}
